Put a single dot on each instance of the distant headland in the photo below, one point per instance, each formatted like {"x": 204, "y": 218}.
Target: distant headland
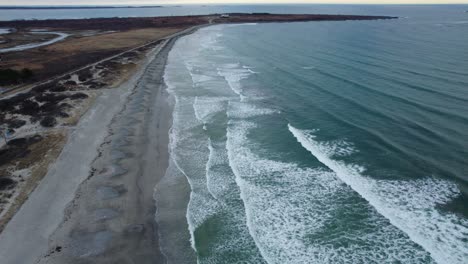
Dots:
{"x": 74, "y": 7}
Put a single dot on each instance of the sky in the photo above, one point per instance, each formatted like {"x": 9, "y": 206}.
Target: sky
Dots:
{"x": 166, "y": 2}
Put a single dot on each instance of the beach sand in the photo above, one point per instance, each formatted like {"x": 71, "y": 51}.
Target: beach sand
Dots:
{"x": 96, "y": 202}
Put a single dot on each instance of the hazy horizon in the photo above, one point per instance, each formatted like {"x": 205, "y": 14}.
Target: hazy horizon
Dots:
{"x": 195, "y": 2}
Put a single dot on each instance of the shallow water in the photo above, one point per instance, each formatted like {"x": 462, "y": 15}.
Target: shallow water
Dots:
{"x": 325, "y": 142}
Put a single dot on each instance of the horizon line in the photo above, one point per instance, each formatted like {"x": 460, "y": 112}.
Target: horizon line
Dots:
{"x": 221, "y": 4}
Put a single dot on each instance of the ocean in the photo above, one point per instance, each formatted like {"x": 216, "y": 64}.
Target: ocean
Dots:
{"x": 320, "y": 142}
{"x": 421, "y": 11}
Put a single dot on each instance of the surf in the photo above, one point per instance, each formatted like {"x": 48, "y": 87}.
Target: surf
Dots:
{"x": 409, "y": 205}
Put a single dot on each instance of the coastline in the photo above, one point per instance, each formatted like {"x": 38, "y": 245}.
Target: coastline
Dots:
{"x": 76, "y": 155}
{"x": 191, "y": 157}
{"x": 90, "y": 227}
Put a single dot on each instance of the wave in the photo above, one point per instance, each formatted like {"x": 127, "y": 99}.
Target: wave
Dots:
{"x": 250, "y": 205}
{"x": 409, "y": 205}
{"x": 188, "y": 145}
{"x": 200, "y": 78}
{"x": 206, "y": 107}
{"x": 295, "y": 214}
{"x": 215, "y": 213}
{"x": 242, "y": 110}
{"x": 233, "y": 235}
{"x": 182, "y": 144}
{"x": 243, "y": 24}
{"x": 233, "y": 74}
{"x": 413, "y": 103}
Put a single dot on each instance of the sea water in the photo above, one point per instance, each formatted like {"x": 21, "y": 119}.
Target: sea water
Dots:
{"x": 324, "y": 142}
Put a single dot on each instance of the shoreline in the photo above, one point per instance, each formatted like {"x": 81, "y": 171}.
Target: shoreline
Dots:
{"x": 53, "y": 240}
{"x": 42, "y": 205}
{"x": 66, "y": 99}
{"x": 78, "y": 51}
{"x": 172, "y": 165}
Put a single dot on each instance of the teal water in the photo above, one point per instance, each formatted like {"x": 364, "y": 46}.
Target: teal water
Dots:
{"x": 325, "y": 142}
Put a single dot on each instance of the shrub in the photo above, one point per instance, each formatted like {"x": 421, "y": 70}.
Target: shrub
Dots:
{"x": 26, "y": 73}
{"x": 10, "y": 76}
{"x": 78, "y": 96}
{"x": 6, "y": 183}
{"x": 48, "y": 121}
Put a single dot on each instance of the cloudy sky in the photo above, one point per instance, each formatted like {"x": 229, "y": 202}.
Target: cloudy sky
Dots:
{"x": 159, "y": 2}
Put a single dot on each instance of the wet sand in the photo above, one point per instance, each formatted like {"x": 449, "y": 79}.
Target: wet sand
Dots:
{"x": 103, "y": 212}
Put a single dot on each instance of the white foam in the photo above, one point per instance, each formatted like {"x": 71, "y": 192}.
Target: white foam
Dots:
{"x": 208, "y": 40}
{"x": 245, "y": 109}
{"x": 286, "y": 206}
{"x": 460, "y": 22}
{"x": 206, "y": 107}
{"x": 210, "y": 187}
{"x": 210, "y": 95}
{"x": 199, "y": 97}
{"x": 200, "y": 78}
{"x": 233, "y": 74}
{"x": 188, "y": 147}
{"x": 231, "y": 143}
{"x": 201, "y": 204}
{"x": 289, "y": 210}
{"x": 234, "y": 237}
{"x": 409, "y": 205}
{"x": 241, "y": 25}
{"x": 213, "y": 160}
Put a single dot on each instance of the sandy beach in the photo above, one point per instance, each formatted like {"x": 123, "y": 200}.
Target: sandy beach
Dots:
{"x": 106, "y": 211}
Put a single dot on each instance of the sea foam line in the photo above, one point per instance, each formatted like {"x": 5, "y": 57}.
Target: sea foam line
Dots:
{"x": 171, "y": 150}
{"x": 288, "y": 207}
{"x": 231, "y": 157}
{"x": 408, "y": 205}
{"x": 234, "y": 74}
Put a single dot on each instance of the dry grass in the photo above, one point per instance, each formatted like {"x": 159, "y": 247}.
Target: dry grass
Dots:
{"x": 75, "y": 52}
{"x": 112, "y": 41}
